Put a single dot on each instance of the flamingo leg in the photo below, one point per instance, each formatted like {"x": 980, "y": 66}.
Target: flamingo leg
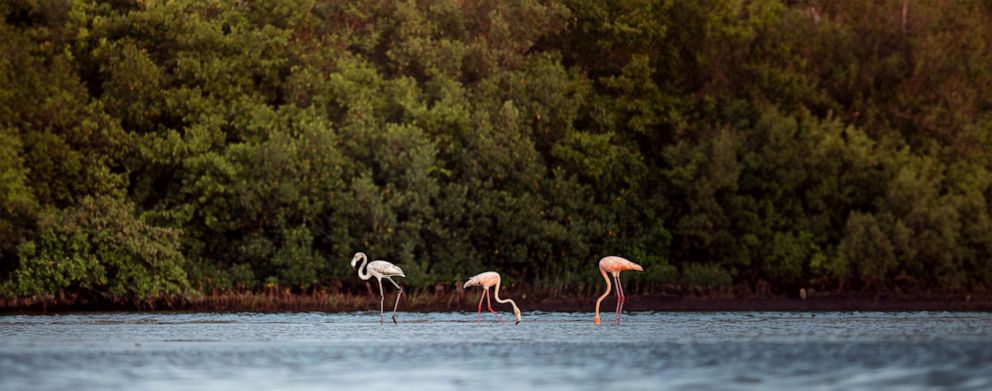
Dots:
{"x": 398, "y": 294}
{"x": 382, "y": 298}
{"x": 490, "y": 305}
{"x": 623, "y": 299}
{"x": 481, "y": 297}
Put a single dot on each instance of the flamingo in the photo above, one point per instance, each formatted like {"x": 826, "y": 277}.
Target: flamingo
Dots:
{"x": 486, "y": 280}
{"x": 614, "y": 265}
{"x": 380, "y": 270}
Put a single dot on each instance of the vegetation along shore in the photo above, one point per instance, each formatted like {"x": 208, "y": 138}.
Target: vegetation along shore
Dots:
{"x": 234, "y": 155}
{"x": 420, "y": 301}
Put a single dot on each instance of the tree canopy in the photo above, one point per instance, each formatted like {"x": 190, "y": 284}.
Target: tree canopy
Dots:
{"x": 157, "y": 147}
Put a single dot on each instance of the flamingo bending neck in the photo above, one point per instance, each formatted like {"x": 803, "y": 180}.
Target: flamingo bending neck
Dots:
{"x": 516, "y": 311}
{"x": 364, "y": 268}
{"x": 607, "y": 293}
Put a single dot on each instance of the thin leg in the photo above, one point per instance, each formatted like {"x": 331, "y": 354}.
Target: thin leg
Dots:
{"x": 623, "y": 299}
{"x": 619, "y": 296}
{"x": 481, "y": 297}
{"x": 382, "y": 298}
{"x": 398, "y": 294}
{"x": 490, "y": 305}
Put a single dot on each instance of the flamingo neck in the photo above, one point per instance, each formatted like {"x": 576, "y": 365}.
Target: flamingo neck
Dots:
{"x": 364, "y": 268}
{"x": 516, "y": 310}
{"x": 609, "y": 286}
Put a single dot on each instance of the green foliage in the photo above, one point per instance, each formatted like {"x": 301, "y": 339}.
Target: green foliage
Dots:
{"x": 705, "y": 276}
{"x": 14, "y": 189}
{"x": 836, "y": 144}
{"x": 297, "y": 262}
{"x": 17, "y": 202}
{"x": 100, "y": 248}
{"x": 867, "y": 250}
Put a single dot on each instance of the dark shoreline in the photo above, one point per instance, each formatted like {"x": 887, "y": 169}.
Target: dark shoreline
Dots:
{"x": 423, "y": 302}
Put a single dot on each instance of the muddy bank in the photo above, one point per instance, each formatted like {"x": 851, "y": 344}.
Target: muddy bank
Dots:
{"x": 468, "y": 301}
{"x": 841, "y": 303}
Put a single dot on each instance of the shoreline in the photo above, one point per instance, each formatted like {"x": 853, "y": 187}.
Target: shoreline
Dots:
{"x": 460, "y": 301}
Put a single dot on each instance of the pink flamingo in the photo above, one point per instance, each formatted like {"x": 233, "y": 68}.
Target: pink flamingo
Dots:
{"x": 614, "y": 265}
{"x": 487, "y": 280}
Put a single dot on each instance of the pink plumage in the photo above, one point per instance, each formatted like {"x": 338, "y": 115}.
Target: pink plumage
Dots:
{"x": 614, "y": 265}
{"x": 487, "y": 280}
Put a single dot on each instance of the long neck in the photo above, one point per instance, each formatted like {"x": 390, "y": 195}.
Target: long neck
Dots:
{"x": 362, "y": 268}
{"x": 516, "y": 311}
{"x": 607, "y": 293}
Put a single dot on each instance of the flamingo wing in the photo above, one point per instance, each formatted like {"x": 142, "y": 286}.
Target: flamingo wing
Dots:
{"x": 618, "y": 264}
{"x": 386, "y": 269}
{"x": 483, "y": 279}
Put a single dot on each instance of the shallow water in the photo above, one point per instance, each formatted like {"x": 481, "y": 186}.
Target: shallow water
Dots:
{"x": 650, "y": 351}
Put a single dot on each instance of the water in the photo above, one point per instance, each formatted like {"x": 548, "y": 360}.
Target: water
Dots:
{"x": 737, "y": 350}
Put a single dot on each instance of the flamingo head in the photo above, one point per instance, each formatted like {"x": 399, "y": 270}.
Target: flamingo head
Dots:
{"x": 516, "y": 312}
{"x": 474, "y": 281}
{"x": 597, "y": 319}
{"x": 358, "y": 257}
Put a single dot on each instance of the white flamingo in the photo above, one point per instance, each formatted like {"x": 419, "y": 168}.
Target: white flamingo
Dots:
{"x": 614, "y": 265}
{"x": 486, "y": 280}
{"x": 380, "y": 270}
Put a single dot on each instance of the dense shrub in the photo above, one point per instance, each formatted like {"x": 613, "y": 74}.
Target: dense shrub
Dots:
{"x": 149, "y": 148}
{"x": 100, "y": 248}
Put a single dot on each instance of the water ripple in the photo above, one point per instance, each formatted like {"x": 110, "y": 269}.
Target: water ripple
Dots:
{"x": 735, "y": 350}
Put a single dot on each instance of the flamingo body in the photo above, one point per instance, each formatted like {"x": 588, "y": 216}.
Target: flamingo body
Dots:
{"x": 487, "y": 280}
{"x": 614, "y": 265}
{"x": 379, "y": 270}
{"x": 383, "y": 269}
